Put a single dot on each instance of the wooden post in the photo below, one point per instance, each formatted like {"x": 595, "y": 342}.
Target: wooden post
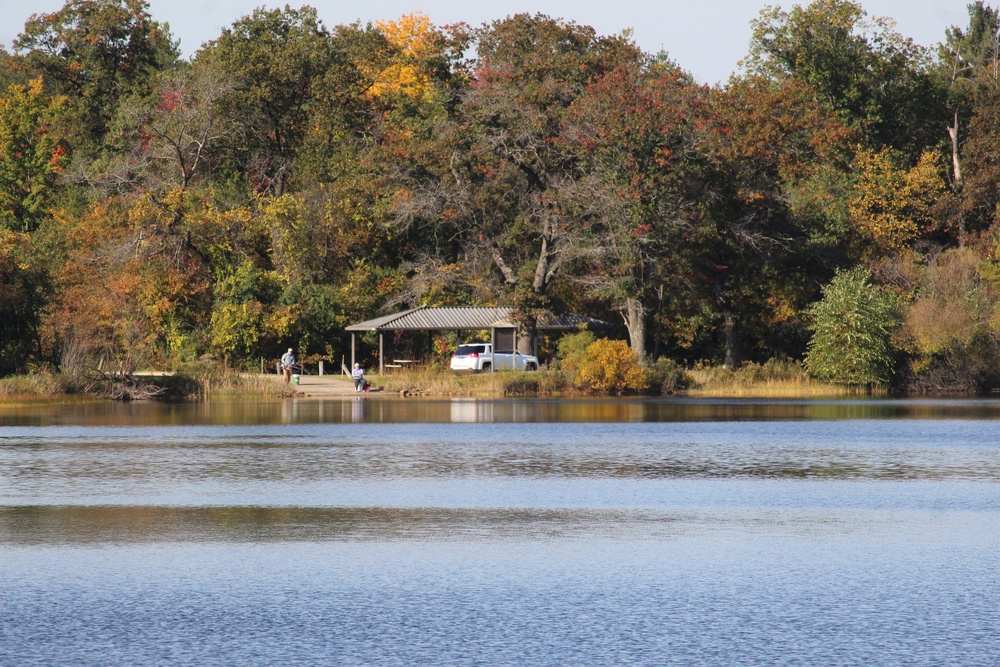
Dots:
{"x": 381, "y": 360}
{"x": 321, "y": 367}
{"x": 352, "y": 349}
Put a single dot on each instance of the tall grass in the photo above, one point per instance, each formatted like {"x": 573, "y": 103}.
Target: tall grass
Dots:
{"x": 196, "y": 381}
{"x": 209, "y": 379}
{"x": 39, "y": 385}
{"x": 772, "y": 379}
{"x": 432, "y": 381}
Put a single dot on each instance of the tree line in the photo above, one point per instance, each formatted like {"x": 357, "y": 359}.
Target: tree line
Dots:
{"x": 835, "y": 202}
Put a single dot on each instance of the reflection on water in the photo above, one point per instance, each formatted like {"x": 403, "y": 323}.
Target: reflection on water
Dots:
{"x": 384, "y": 409}
{"x": 373, "y": 531}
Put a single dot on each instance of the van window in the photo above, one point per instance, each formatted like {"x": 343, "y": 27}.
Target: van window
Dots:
{"x": 469, "y": 349}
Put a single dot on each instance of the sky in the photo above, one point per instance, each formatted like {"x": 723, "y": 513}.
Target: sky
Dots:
{"x": 705, "y": 37}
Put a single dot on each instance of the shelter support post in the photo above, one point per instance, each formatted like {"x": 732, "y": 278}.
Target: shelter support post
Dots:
{"x": 493, "y": 346}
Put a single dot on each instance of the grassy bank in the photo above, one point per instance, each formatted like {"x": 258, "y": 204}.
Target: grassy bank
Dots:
{"x": 194, "y": 382}
{"x": 208, "y": 380}
{"x": 770, "y": 380}
{"x": 433, "y": 382}
{"x": 35, "y": 385}
{"x": 774, "y": 379}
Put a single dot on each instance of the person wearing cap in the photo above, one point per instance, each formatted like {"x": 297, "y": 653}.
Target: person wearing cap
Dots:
{"x": 287, "y": 365}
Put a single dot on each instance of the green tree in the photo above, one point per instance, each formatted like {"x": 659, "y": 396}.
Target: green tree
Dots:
{"x": 32, "y": 154}
{"x": 853, "y": 325}
{"x": 96, "y": 52}
{"x": 748, "y": 249}
{"x": 878, "y": 80}
{"x": 507, "y": 187}
{"x": 979, "y": 198}
{"x": 638, "y": 129}
{"x": 962, "y": 59}
{"x": 22, "y": 288}
{"x": 276, "y": 57}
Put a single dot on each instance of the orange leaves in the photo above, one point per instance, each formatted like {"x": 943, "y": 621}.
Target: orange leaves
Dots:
{"x": 129, "y": 287}
{"x": 777, "y": 127}
{"x": 58, "y": 160}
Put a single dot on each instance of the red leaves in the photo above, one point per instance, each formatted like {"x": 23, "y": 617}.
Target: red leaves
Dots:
{"x": 58, "y": 158}
{"x": 170, "y": 99}
{"x": 641, "y": 230}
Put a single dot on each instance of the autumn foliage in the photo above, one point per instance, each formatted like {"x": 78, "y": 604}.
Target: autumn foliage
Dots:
{"x": 292, "y": 178}
{"x": 611, "y": 366}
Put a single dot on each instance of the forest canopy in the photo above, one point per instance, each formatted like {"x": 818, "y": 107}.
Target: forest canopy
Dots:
{"x": 291, "y": 178}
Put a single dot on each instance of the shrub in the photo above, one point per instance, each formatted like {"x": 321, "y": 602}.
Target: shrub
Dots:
{"x": 952, "y": 328}
{"x": 572, "y": 350}
{"x": 43, "y": 383}
{"x": 668, "y": 376}
{"x": 611, "y": 365}
{"x": 853, "y": 326}
{"x": 531, "y": 383}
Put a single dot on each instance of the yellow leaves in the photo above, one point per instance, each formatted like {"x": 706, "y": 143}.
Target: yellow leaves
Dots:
{"x": 418, "y": 41}
{"x": 12, "y": 247}
{"x": 781, "y": 307}
{"x": 238, "y": 328}
{"x": 891, "y": 206}
{"x": 146, "y": 212}
{"x": 610, "y": 365}
{"x": 31, "y": 153}
{"x": 935, "y": 325}
{"x": 954, "y": 302}
{"x": 280, "y": 322}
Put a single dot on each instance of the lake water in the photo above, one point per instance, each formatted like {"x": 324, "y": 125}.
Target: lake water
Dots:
{"x": 376, "y": 531}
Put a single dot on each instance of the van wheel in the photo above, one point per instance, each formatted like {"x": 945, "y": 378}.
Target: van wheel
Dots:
{"x": 487, "y": 367}
{"x": 531, "y": 367}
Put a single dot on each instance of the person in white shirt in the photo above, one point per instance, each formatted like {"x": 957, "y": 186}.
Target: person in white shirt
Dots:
{"x": 288, "y": 365}
{"x": 359, "y": 377}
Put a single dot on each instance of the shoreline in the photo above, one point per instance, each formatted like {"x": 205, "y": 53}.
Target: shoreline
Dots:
{"x": 545, "y": 384}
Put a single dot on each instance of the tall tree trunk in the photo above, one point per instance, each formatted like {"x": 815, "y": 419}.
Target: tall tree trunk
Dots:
{"x": 544, "y": 269}
{"x": 732, "y": 341}
{"x": 635, "y": 321}
{"x": 527, "y": 342}
{"x": 732, "y": 359}
{"x": 956, "y": 165}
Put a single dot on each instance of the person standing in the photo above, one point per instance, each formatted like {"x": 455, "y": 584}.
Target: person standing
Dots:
{"x": 359, "y": 377}
{"x": 287, "y": 365}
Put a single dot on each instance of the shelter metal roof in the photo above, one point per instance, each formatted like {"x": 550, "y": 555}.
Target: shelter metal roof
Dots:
{"x": 469, "y": 318}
